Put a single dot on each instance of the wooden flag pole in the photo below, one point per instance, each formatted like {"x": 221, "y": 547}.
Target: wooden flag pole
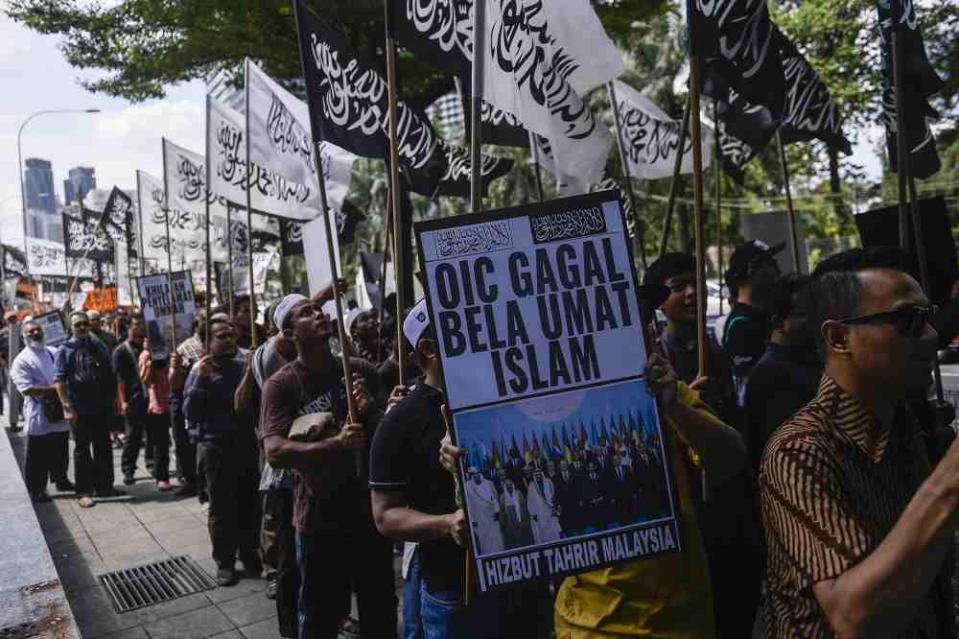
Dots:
{"x": 790, "y": 211}
{"x": 169, "y": 248}
{"x": 382, "y": 283}
{"x": 142, "y": 260}
{"x": 249, "y": 216}
{"x": 674, "y": 182}
{"x": 638, "y": 225}
{"x": 902, "y": 143}
{"x": 330, "y": 229}
{"x": 229, "y": 257}
{"x": 209, "y": 250}
{"x": 476, "y": 175}
{"x": 393, "y": 165}
{"x": 696, "y": 139}
{"x": 718, "y": 176}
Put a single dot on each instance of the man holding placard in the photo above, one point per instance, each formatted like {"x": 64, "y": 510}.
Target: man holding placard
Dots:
{"x": 542, "y": 347}
{"x": 414, "y": 499}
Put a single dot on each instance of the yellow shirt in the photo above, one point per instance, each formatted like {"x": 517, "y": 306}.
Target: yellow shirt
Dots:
{"x": 668, "y": 596}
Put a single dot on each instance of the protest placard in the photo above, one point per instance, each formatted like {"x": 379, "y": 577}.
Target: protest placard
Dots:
{"x": 535, "y": 313}
{"x": 154, "y": 291}
{"x": 54, "y": 330}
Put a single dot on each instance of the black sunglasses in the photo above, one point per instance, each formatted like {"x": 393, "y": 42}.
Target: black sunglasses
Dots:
{"x": 910, "y": 321}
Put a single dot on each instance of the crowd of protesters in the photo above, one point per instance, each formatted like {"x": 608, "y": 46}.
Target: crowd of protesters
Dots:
{"x": 816, "y": 485}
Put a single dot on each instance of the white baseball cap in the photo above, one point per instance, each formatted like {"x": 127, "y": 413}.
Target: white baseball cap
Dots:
{"x": 416, "y": 322}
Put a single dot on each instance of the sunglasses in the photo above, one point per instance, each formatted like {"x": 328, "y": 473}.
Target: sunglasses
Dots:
{"x": 910, "y": 321}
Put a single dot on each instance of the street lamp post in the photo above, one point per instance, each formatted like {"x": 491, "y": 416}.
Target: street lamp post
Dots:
{"x": 14, "y": 337}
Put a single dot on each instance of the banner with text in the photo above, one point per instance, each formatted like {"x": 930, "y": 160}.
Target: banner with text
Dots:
{"x": 538, "y": 329}
{"x": 154, "y": 291}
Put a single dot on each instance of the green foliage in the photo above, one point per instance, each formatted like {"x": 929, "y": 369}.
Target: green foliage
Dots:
{"x": 136, "y": 48}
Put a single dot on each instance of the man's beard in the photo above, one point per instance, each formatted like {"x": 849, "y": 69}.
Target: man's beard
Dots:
{"x": 35, "y": 343}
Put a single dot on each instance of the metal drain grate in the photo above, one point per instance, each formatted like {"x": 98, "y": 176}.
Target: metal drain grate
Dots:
{"x": 133, "y": 588}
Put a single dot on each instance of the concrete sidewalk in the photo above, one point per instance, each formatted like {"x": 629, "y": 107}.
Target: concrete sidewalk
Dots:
{"x": 144, "y": 527}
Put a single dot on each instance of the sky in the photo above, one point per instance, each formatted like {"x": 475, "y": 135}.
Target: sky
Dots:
{"x": 122, "y": 138}
{"x": 125, "y": 136}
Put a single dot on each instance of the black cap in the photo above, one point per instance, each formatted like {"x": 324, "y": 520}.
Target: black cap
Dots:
{"x": 747, "y": 256}
{"x": 667, "y": 266}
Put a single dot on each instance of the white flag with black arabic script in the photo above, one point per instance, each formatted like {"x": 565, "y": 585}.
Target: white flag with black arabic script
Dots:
{"x": 280, "y": 142}
{"x": 651, "y": 137}
{"x": 185, "y": 180}
{"x": 271, "y": 191}
{"x": 539, "y": 60}
{"x": 184, "y": 246}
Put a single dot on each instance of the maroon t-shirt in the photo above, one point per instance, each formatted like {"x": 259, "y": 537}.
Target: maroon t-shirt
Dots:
{"x": 329, "y": 496}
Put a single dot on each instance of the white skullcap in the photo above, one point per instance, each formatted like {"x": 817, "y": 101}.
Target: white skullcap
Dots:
{"x": 285, "y": 306}
{"x": 92, "y": 315}
{"x": 416, "y": 322}
{"x": 351, "y": 317}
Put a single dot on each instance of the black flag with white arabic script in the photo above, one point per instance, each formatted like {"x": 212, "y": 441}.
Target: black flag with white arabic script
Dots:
{"x": 920, "y": 81}
{"x": 734, "y": 154}
{"x": 118, "y": 214}
{"x": 441, "y": 32}
{"x": 448, "y": 172}
{"x": 14, "y": 262}
{"x": 84, "y": 238}
{"x": 810, "y": 112}
{"x": 735, "y": 42}
{"x": 291, "y": 237}
{"x": 347, "y": 97}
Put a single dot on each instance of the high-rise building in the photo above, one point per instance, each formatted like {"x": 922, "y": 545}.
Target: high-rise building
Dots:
{"x": 38, "y": 186}
{"x": 81, "y": 180}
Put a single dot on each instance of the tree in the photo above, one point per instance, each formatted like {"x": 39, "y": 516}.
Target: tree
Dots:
{"x": 142, "y": 46}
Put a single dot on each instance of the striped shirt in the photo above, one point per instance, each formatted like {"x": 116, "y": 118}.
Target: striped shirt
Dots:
{"x": 833, "y": 484}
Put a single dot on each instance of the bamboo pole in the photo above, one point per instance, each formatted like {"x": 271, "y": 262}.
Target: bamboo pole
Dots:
{"x": 352, "y": 415}
{"x": 790, "y": 211}
{"x": 249, "y": 216}
{"x": 718, "y": 176}
{"x": 169, "y": 249}
{"x": 209, "y": 250}
{"x": 394, "y": 173}
{"x": 694, "y": 131}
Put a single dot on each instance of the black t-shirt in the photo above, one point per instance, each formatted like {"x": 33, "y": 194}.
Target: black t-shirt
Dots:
{"x": 745, "y": 334}
{"x": 405, "y": 457}
{"x": 127, "y": 367}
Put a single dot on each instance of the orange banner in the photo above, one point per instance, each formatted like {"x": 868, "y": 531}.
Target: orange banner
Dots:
{"x": 102, "y": 300}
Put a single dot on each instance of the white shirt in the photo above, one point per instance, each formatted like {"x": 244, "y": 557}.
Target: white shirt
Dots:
{"x": 35, "y": 367}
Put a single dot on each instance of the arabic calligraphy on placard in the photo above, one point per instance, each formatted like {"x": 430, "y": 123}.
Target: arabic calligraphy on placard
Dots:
{"x": 478, "y": 238}
{"x": 551, "y": 227}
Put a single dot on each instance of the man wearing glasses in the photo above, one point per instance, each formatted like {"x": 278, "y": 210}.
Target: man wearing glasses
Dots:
{"x": 859, "y": 525}
{"x": 87, "y": 387}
